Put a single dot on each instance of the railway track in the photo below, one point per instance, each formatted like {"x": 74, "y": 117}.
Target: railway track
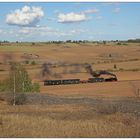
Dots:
{"x": 78, "y": 81}
{"x": 127, "y": 80}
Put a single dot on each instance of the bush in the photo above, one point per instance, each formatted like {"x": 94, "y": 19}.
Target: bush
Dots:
{"x": 125, "y": 44}
{"x": 115, "y": 66}
{"x": 33, "y": 63}
{"x": 118, "y": 43}
{"x": 33, "y": 43}
{"x": 4, "y": 85}
{"x": 35, "y": 87}
{"x": 121, "y": 69}
{"x": 107, "y": 109}
{"x": 26, "y": 62}
{"x": 19, "y": 100}
{"x": 135, "y": 69}
{"x": 110, "y": 55}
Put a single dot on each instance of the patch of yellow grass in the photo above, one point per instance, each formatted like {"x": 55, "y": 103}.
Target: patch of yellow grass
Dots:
{"x": 51, "y": 124}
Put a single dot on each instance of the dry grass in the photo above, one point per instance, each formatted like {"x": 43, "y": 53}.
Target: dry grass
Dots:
{"x": 70, "y": 120}
{"x": 16, "y": 125}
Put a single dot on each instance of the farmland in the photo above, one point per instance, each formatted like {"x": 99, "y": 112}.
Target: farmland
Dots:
{"x": 108, "y": 109}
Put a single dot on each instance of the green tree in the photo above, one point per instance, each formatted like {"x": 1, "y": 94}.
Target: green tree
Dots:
{"x": 35, "y": 87}
{"x": 19, "y": 81}
{"x": 104, "y": 42}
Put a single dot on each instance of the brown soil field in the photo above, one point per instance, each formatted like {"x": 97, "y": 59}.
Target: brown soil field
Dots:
{"x": 107, "y": 109}
{"x": 76, "y": 53}
{"x": 126, "y": 58}
{"x": 110, "y": 89}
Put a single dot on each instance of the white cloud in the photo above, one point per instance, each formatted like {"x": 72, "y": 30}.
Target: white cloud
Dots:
{"x": 91, "y": 11}
{"x": 113, "y": 25}
{"x": 25, "y": 30}
{"x": 99, "y": 17}
{"x": 110, "y": 3}
{"x": 51, "y": 19}
{"x": 116, "y": 10}
{"x": 1, "y": 30}
{"x": 71, "y": 17}
{"x": 38, "y": 33}
{"x": 77, "y": 31}
{"x": 76, "y": 17}
{"x": 35, "y": 30}
{"x": 56, "y": 11}
{"x": 26, "y": 16}
{"x": 39, "y": 30}
{"x": 47, "y": 31}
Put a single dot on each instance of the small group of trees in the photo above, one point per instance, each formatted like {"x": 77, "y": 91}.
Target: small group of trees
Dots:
{"x": 137, "y": 40}
{"x": 18, "y": 83}
{"x": 69, "y": 41}
{"x": 134, "y": 40}
{"x": 28, "y": 62}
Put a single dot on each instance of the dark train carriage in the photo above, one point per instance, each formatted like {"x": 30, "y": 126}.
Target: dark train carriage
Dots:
{"x": 77, "y": 81}
{"x": 71, "y": 81}
{"x": 110, "y": 79}
{"x": 94, "y": 80}
{"x": 52, "y": 82}
{"x": 61, "y": 82}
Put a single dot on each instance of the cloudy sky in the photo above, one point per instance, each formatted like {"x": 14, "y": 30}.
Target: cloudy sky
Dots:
{"x": 64, "y": 21}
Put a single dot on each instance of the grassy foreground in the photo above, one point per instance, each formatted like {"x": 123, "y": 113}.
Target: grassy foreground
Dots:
{"x": 63, "y": 117}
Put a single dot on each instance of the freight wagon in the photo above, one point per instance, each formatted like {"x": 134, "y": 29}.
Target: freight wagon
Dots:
{"x": 61, "y": 82}
{"x": 94, "y": 80}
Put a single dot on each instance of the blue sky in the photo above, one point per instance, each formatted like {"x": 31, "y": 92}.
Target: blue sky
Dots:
{"x": 64, "y": 21}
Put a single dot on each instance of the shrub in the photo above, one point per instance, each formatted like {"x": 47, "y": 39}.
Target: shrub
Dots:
{"x": 33, "y": 43}
{"x": 135, "y": 69}
{"x": 121, "y": 69}
{"x": 1, "y": 121}
{"x": 4, "y": 85}
{"x": 110, "y": 55}
{"x": 115, "y": 66}
{"x": 33, "y": 63}
{"x": 35, "y": 87}
{"x": 118, "y": 43}
{"x": 125, "y": 44}
{"x": 107, "y": 109}
{"x": 26, "y": 62}
{"x": 20, "y": 99}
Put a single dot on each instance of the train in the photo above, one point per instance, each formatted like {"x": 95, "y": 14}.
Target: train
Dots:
{"x": 78, "y": 81}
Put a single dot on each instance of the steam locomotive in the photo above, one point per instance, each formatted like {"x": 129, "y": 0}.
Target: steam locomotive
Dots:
{"x": 77, "y": 81}
{"x": 95, "y": 78}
